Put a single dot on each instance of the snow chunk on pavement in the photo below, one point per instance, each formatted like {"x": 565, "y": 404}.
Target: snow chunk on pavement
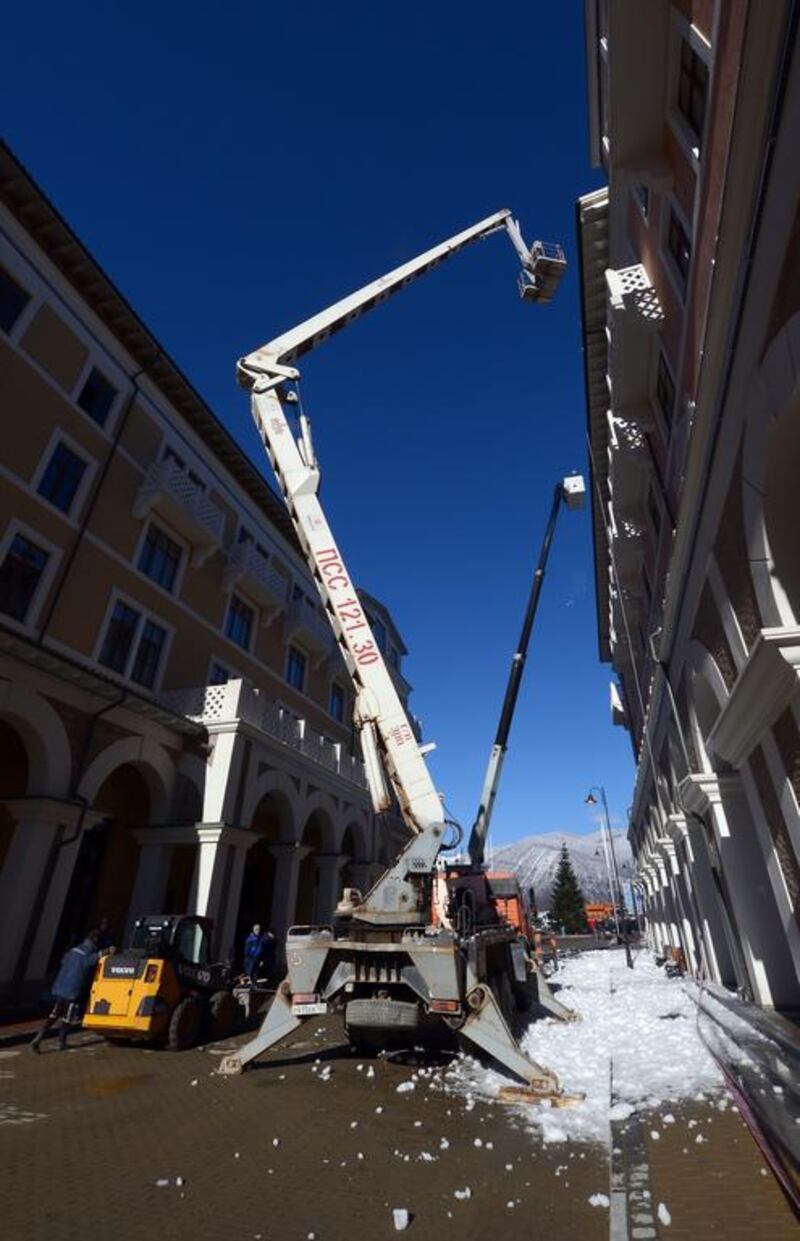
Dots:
{"x": 599, "y": 1200}
{"x": 400, "y": 1217}
{"x": 463, "y": 1194}
{"x": 664, "y": 1215}
{"x": 406, "y": 1087}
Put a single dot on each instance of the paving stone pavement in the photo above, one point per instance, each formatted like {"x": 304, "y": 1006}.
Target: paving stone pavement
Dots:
{"x": 706, "y": 1170}
{"x": 86, "y": 1136}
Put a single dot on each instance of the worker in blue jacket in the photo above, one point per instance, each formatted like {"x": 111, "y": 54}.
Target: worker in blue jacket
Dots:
{"x": 71, "y": 989}
{"x": 258, "y": 949}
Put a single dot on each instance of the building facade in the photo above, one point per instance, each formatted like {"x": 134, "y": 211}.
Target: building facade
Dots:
{"x": 175, "y": 715}
{"x": 690, "y": 285}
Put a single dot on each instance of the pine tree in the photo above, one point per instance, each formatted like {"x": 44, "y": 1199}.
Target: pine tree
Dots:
{"x": 567, "y": 903}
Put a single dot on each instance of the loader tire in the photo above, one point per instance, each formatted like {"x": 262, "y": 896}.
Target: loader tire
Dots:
{"x": 222, "y": 1014}
{"x": 184, "y": 1024}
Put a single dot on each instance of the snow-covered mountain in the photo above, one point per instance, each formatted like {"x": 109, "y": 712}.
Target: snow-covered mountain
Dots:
{"x": 535, "y": 860}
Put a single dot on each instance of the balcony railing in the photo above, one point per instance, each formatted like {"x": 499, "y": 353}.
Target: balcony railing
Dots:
{"x": 628, "y": 461}
{"x": 168, "y": 489}
{"x": 630, "y": 293}
{"x": 215, "y": 706}
{"x": 305, "y": 623}
{"x": 258, "y": 576}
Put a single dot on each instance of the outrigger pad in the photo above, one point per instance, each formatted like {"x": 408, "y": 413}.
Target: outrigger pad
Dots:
{"x": 487, "y": 1029}
{"x": 279, "y": 1022}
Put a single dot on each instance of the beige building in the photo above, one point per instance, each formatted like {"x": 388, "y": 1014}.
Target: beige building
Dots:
{"x": 174, "y": 712}
{"x": 691, "y": 325}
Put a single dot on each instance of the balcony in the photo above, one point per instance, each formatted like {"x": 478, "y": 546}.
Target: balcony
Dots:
{"x": 168, "y": 490}
{"x": 258, "y": 577}
{"x": 627, "y": 533}
{"x": 305, "y": 623}
{"x": 219, "y": 707}
{"x": 628, "y": 461}
{"x": 631, "y": 296}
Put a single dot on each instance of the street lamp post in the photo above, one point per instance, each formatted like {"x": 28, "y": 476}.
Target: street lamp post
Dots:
{"x": 617, "y": 897}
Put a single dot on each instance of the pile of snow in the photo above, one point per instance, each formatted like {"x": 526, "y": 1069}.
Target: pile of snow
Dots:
{"x": 636, "y": 1046}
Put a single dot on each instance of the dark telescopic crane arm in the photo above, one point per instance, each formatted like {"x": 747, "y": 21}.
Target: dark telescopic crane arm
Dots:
{"x": 571, "y": 490}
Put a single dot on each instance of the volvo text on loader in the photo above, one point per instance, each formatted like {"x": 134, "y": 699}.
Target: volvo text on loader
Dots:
{"x": 403, "y": 959}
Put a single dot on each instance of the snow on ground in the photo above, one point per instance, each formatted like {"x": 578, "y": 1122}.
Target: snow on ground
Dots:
{"x": 635, "y": 1046}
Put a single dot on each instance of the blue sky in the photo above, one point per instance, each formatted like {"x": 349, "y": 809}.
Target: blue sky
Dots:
{"x": 236, "y": 168}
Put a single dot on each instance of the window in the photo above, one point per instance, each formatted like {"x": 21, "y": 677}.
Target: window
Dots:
{"x": 160, "y": 557}
{"x": 654, "y": 510}
{"x": 20, "y": 574}
{"x": 337, "y": 702}
{"x": 692, "y": 89}
{"x": 665, "y": 389}
{"x": 218, "y": 674}
{"x": 13, "y": 300}
{"x": 239, "y": 623}
{"x": 296, "y": 668}
{"x": 680, "y": 248}
{"x": 62, "y": 477}
{"x": 96, "y": 397}
{"x": 133, "y": 645}
{"x": 119, "y": 637}
{"x": 148, "y": 654}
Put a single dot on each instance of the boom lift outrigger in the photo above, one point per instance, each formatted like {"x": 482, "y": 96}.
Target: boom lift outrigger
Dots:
{"x": 385, "y": 944}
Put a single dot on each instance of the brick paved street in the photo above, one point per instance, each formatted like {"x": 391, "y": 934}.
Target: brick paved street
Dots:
{"x": 86, "y": 1136}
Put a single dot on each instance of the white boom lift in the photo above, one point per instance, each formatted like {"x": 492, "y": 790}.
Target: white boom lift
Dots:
{"x": 385, "y": 963}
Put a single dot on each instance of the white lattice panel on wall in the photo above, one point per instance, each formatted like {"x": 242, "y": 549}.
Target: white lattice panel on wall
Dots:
{"x": 630, "y": 289}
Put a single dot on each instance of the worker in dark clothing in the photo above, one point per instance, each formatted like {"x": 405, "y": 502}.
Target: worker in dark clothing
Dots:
{"x": 258, "y": 948}
{"x": 253, "y": 948}
{"x": 70, "y": 989}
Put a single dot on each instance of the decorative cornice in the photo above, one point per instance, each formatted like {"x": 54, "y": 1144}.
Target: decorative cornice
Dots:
{"x": 704, "y": 791}
{"x": 763, "y": 689}
{"x": 676, "y": 827}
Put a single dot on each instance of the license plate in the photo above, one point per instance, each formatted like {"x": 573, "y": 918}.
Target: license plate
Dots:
{"x": 308, "y": 1010}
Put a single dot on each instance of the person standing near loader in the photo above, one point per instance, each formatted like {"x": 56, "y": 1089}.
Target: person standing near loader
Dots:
{"x": 70, "y": 989}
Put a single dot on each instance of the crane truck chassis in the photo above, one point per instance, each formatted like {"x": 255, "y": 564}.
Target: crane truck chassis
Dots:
{"x": 387, "y": 963}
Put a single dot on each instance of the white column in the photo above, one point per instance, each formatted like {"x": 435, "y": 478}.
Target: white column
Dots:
{"x": 25, "y": 868}
{"x": 718, "y": 953}
{"x": 217, "y": 883}
{"x": 287, "y": 871}
{"x": 764, "y": 944}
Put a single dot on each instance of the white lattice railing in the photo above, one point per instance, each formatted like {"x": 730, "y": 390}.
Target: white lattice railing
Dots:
{"x": 302, "y": 618}
{"x": 239, "y": 700}
{"x": 245, "y": 560}
{"x": 629, "y": 288}
{"x": 167, "y": 478}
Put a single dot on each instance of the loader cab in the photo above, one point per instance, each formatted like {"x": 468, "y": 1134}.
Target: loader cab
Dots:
{"x": 177, "y": 937}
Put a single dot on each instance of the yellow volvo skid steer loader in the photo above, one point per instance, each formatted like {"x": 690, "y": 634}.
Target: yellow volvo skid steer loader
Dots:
{"x": 163, "y": 987}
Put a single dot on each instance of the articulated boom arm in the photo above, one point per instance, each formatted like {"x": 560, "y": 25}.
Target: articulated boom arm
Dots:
{"x": 388, "y": 742}
{"x": 306, "y": 336}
